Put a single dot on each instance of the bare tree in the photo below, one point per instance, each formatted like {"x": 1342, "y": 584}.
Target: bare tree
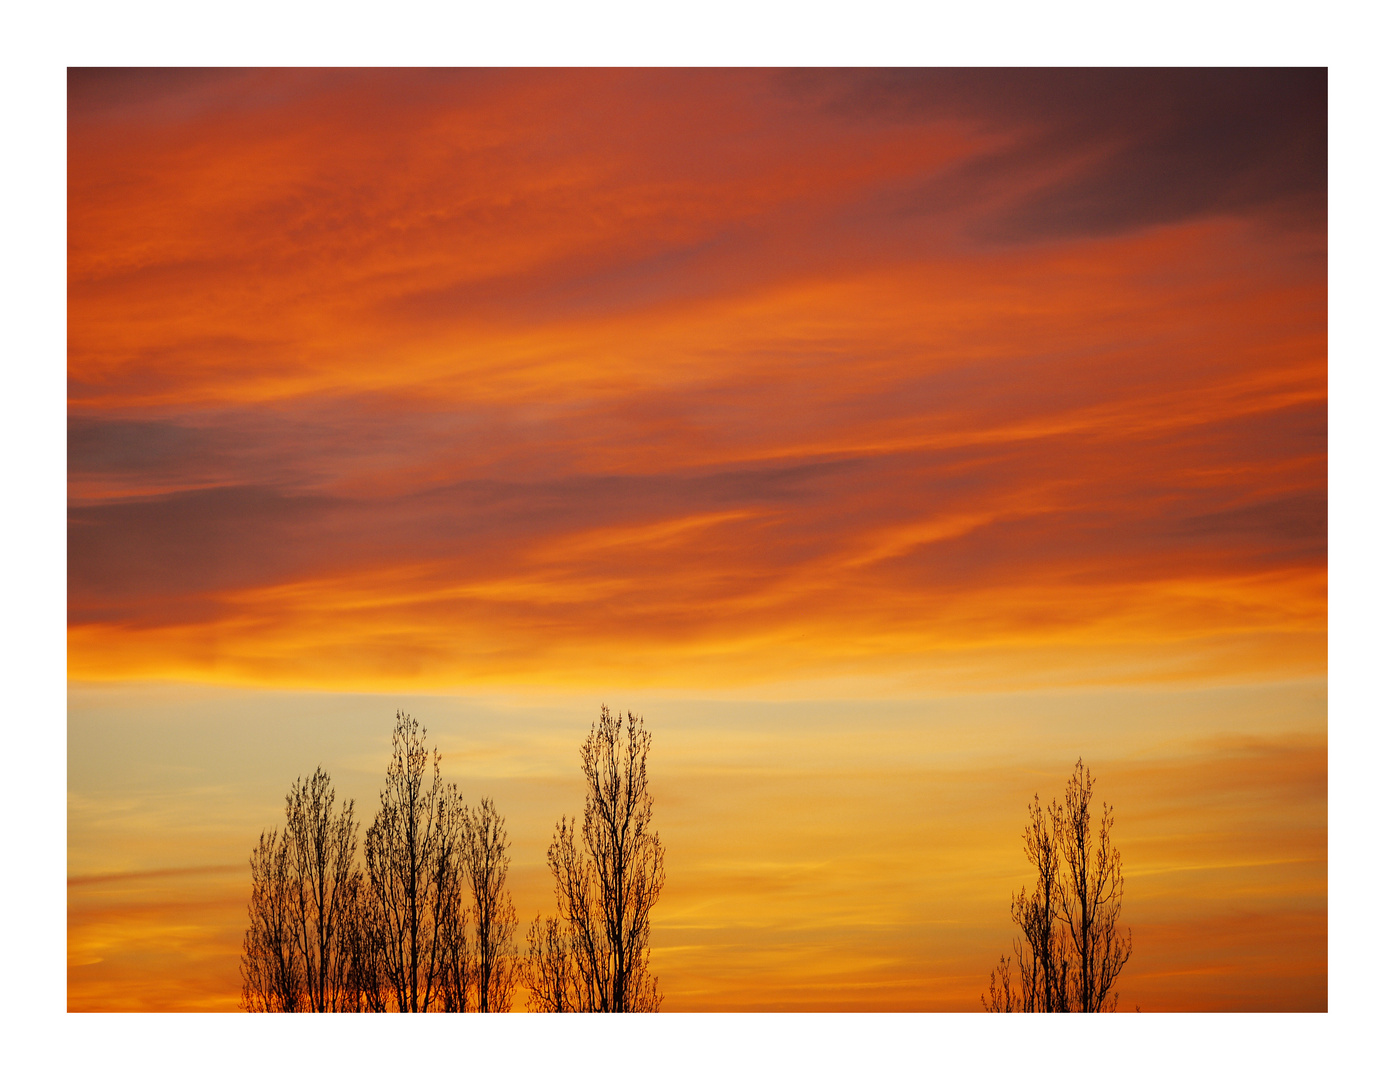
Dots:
{"x": 1092, "y": 892}
{"x": 324, "y": 935}
{"x": 272, "y": 979}
{"x": 1043, "y": 963}
{"x": 595, "y": 957}
{"x": 457, "y": 974}
{"x": 486, "y": 861}
{"x": 1070, "y": 951}
{"x": 554, "y": 979}
{"x": 1000, "y": 996}
{"x": 411, "y": 851}
{"x": 365, "y": 983}
{"x": 293, "y": 955}
{"x": 322, "y": 844}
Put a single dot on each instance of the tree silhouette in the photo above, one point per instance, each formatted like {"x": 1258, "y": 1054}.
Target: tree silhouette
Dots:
{"x": 594, "y": 956}
{"x": 293, "y": 954}
{"x": 1070, "y": 951}
{"x": 486, "y": 860}
{"x": 552, "y": 975}
{"x": 427, "y": 923}
{"x": 271, "y": 979}
{"x": 1092, "y": 895}
{"x": 412, "y": 854}
{"x": 322, "y": 844}
{"x": 365, "y": 947}
{"x": 457, "y": 972}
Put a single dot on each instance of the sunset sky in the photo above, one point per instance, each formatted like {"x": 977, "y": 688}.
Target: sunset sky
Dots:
{"x": 889, "y": 440}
